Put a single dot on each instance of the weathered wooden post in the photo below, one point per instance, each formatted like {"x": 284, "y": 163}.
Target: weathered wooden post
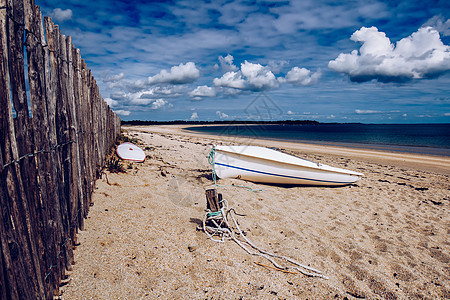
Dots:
{"x": 213, "y": 200}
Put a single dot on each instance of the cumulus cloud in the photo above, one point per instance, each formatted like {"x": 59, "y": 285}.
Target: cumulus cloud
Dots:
{"x": 158, "y": 103}
{"x": 250, "y": 77}
{"x": 148, "y": 98}
{"x": 226, "y": 63}
{"x": 221, "y": 115}
{"x": 420, "y": 55}
{"x": 122, "y": 112}
{"x": 258, "y": 77}
{"x": 194, "y": 116}
{"x": 181, "y": 74}
{"x": 203, "y": 91}
{"x": 301, "y": 76}
{"x": 231, "y": 80}
{"x": 111, "y": 102}
{"x": 61, "y": 15}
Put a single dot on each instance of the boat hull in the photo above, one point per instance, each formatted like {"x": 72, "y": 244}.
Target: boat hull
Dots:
{"x": 277, "y": 168}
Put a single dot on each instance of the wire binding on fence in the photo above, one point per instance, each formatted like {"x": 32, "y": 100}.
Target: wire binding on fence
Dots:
{"x": 36, "y": 153}
{"x": 11, "y": 17}
{"x": 52, "y": 148}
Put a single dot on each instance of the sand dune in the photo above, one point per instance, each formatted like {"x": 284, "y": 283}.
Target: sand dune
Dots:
{"x": 387, "y": 237}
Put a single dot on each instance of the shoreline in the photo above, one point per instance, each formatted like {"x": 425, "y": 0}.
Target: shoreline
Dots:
{"x": 426, "y": 162}
{"x": 410, "y": 149}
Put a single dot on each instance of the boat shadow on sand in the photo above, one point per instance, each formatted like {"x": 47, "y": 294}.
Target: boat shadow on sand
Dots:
{"x": 291, "y": 186}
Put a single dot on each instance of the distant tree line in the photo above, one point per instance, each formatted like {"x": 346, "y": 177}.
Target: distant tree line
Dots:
{"x": 182, "y": 122}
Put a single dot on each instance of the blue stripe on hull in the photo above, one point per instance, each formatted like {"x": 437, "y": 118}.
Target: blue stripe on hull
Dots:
{"x": 286, "y": 176}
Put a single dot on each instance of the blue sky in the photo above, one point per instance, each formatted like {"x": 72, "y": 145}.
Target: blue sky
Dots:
{"x": 330, "y": 61}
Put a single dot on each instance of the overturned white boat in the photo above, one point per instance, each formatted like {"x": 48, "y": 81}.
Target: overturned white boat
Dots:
{"x": 264, "y": 165}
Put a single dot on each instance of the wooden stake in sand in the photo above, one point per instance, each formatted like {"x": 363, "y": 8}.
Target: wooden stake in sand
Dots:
{"x": 213, "y": 200}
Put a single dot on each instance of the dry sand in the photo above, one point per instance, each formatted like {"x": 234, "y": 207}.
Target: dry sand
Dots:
{"x": 386, "y": 237}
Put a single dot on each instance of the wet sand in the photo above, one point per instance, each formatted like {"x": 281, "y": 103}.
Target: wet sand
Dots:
{"x": 385, "y": 237}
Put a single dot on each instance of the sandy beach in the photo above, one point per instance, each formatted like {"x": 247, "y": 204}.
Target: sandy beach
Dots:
{"x": 385, "y": 237}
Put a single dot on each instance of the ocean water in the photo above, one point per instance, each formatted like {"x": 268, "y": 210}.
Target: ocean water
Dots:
{"x": 414, "y": 138}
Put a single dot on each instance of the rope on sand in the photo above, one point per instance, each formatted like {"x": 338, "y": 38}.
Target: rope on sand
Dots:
{"x": 218, "y": 228}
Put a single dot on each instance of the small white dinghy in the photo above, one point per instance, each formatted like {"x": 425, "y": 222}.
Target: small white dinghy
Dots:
{"x": 264, "y": 165}
{"x": 129, "y": 151}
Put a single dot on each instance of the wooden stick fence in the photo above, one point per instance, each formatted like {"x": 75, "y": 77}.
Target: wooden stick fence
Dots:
{"x": 49, "y": 160}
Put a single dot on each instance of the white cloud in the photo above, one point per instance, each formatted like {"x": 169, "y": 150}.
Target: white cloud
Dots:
{"x": 290, "y": 112}
{"x": 143, "y": 98}
{"x": 114, "y": 78}
{"x": 258, "y": 76}
{"x": 226, "y": 63}
{"x": 158, "y": 103}
{"x": 61, "y": 15}
{"x": 122, "y": 112}
{"x": 230, "y": 79}
{"x": 447, "y": 114}
{"x": 372, "y": 112}
{"x": 301, "y": 76}
{"x": 420, "y": 55}
{"x": 277, "y": 65}
{"x": 194, "y": 116}
{"x": 111, "y": 102}
{"x": 203, "y": 91}
{"x": 221, "y": 114}
{"x": 172, "y": 91}
{"x": 147, "y": 96}
{"x": 133, "y": 86}
{"x": 367, "y": 111}
{"x": 440, "y": 24}
{"x": 183, "y": 73}
{"x": 231, "y": 91}
{"x": 250, "y": 77}
{"x": 139, "y": 99}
